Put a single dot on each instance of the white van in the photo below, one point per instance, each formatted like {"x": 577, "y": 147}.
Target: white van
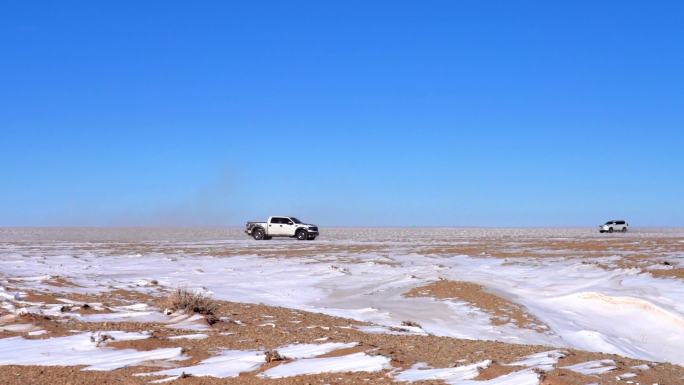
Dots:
{"x": 615, "y": 225}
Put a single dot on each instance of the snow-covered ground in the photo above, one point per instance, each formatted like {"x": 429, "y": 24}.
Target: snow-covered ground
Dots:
{"x": 591, "y": 306}
{"x": 80, "y": 349}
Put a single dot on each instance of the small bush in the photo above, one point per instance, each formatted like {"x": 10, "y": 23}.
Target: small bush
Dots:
{"x": 191, "y": 301}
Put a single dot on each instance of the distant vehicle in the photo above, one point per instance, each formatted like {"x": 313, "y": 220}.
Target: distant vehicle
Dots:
{"x": 615, "y": 225}
{"x": 281, "y": 227}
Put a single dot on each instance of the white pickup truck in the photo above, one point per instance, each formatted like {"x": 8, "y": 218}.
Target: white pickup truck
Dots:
{"x": 281, "y": 227}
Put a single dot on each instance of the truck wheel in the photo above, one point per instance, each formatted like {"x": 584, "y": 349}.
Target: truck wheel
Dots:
{"x": 301, "y": 235}
{"x": 624, "y": 229}
{"x": 258, "y": 234}
{"x": 610, "y": 230}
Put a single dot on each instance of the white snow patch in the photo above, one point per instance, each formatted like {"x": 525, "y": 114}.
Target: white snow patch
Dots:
{"x": 189, "y": 337}
{"x": 521, "y": 377}
{"x": 295, "y": 351}
{"x": 357, "y": 362}
{"x": 626, "y": 375}
{"x": 592, "y": 367}
{"x": 544, "y": 360}
{"x": 421, "y": 372}
{"x": 79, "y": 349}
{"x": 124, "y": 316}
{"x": 17, "y": 328}
{"x": 185, "y": 322}
{"x": 230, "y": 363}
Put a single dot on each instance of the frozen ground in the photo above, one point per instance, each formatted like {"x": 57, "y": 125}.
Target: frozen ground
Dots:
{"x": 592, "y": 292}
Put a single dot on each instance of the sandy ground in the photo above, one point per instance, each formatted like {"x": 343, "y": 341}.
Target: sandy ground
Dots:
{"x": 54, "y": 298}
{"x": 249, "y": 328}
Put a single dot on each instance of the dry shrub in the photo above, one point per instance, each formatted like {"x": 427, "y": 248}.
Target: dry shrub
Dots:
{"x": 411, "y": 323}
{"x": 28, "y": 317}
{"x": 212, "y": 319}
{"x": 273, "y": 355}
{"x": 191, "y": 301}
{"x": 100, "y": 339}
{"x": 541, "y": 374}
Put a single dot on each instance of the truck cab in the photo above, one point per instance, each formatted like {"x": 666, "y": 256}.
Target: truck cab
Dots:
{"x": 281, "y": 226}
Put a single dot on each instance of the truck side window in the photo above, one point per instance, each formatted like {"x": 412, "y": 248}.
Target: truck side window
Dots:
{"x": 289, "y": 222}
{"x": 277, "y": 220}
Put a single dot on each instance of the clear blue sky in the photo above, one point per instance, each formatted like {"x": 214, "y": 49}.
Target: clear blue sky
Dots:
{"x": 495, "y": 113}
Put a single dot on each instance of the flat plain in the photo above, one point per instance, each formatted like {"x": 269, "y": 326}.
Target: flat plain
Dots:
{"x": 474, "y": 306}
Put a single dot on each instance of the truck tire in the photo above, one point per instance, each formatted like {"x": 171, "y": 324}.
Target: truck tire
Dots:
{"x": 258, "y": 234}
{"x": 624, "y": 229}
{"x": 302, "y": 235}
{"x": 610, "y": 230}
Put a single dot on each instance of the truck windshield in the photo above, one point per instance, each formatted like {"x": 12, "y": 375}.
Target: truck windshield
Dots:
{"x": 295, "y": 220}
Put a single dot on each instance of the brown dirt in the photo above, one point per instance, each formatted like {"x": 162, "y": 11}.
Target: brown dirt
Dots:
{"x": 495, "y": 370}
{"x": 501, "y": 310}
{"x": 60, "y": 282}
{"x": 671, "y": 273}
{"x": 566, "y": 377}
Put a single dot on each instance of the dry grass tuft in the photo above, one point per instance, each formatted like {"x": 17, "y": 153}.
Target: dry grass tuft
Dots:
{"x": 191, "y": 301}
